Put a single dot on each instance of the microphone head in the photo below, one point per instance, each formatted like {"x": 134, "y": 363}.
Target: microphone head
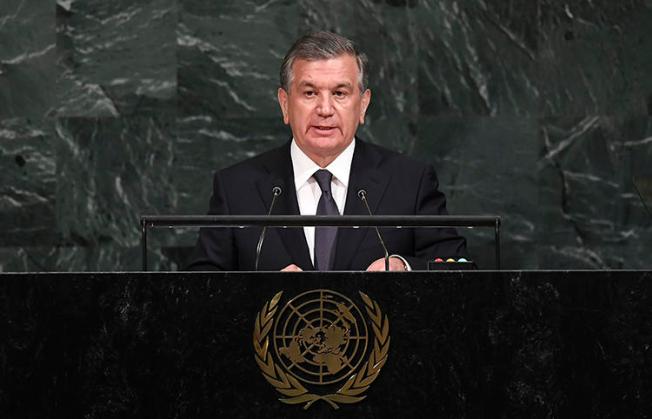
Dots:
{"x": 276, "y": 190}
{"x": 362, "y": 194}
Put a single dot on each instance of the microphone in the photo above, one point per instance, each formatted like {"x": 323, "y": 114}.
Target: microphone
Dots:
{"x": 276, "y": 191}
{"x": 362, "y": 194}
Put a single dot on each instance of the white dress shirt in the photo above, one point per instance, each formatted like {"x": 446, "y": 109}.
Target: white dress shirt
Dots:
{"x": 308, "y": 190}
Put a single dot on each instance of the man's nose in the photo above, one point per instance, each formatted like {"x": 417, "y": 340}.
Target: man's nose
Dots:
{"x": 325, "y": 105}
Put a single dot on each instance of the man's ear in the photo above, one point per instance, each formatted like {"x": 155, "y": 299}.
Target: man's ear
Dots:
{"x": 366, "y": 100}
{"x": 282, "y": 96}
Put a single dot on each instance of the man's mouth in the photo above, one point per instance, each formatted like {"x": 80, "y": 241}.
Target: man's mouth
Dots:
{"x": 323, "y": 128}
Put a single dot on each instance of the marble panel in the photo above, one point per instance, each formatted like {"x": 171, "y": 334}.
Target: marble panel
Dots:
{"x": 594, "y": 57}
{"x": 477, "y": 58}
{"x": 114, "y": 55}
{"x": 122, "y": 169}
{"x": 229, "y": 57}
{"x": 592, "y": 215}
{"x": 154, "y": 96}
{"x": 29, "y": 182}
{"x": 27, "y": 58}
{"x": 485, "y": 166}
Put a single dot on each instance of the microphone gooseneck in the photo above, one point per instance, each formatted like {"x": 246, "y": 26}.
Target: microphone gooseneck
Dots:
{"x": 276, "y": 191}
{"x": 362, "y": 194}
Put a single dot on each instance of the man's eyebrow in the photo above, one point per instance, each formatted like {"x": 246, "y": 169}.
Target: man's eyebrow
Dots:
{"x": 306, "y": 84}
{"x": 345, "y": 85}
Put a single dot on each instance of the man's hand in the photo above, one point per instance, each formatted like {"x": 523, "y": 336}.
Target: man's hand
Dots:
{"x": 291, "y": 268}
{"x": 395, "y": 264}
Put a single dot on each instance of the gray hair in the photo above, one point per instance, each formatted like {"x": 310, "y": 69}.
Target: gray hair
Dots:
{"x": 323, "y": 46}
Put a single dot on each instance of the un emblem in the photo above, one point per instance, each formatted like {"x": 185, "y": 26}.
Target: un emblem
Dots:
{"x": 318, "y": 347}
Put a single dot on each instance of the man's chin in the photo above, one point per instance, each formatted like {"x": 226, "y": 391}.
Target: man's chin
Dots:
{"x": 325, "y": 148}
{"x": 326, "y": 142}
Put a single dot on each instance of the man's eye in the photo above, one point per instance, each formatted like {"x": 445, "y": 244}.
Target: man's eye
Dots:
{"x": 309, "y": 93}
{"x": 340, "y": 93}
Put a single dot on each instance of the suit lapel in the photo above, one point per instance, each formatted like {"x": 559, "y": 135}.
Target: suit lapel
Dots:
{"x": 365, "y": 174}
{"x": 280, "y": 173}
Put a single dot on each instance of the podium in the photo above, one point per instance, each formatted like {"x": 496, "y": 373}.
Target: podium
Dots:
{"x": 459, "y": 344}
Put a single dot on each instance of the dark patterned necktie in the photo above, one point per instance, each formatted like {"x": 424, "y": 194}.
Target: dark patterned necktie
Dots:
{"x": 325, "y": 236}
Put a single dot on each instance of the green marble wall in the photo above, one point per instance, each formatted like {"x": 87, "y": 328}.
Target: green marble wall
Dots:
{"x": 539, "y": 111}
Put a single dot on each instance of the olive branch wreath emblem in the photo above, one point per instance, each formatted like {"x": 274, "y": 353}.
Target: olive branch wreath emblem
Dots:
{"x": 352, "y": 391}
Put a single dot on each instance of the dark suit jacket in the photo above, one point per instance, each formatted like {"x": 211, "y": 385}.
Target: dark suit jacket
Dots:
{"x": 395, "y": 184}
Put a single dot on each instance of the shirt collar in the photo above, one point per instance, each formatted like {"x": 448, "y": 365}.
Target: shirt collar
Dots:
{"x": 304, "y": 167}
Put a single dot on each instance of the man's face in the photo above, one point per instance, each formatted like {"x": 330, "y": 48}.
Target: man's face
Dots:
{"x": 324, "y": 106}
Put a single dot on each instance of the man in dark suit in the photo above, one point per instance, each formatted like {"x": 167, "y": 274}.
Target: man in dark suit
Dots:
{"x": 323, "y": 98}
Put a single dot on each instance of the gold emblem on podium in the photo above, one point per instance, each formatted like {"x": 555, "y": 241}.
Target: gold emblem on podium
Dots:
{"x": 319, "y": 346}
